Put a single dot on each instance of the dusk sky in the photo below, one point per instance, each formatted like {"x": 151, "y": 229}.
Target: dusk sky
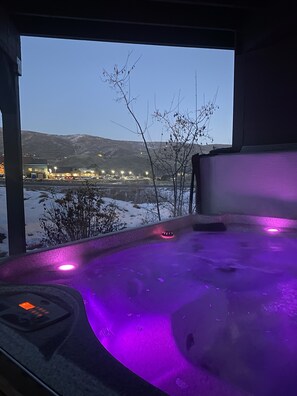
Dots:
{"x": 62, "y": 90}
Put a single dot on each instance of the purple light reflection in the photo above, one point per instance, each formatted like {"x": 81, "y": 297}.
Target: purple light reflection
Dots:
{"x": 280, "y": 223}
{"x": 138, "y": 343}
{"x": 146, "y": 346}
{"x": 148, "y": 339}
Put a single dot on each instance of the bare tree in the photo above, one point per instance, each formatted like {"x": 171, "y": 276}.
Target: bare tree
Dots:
{"x": 186, "y": 131}
{"x": 119, "y": 80}
{"x": 172, "y": 157}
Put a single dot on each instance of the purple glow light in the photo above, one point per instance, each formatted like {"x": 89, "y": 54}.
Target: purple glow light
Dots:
{"x": 272, "y": 230}
{"x": 66, "y": 267}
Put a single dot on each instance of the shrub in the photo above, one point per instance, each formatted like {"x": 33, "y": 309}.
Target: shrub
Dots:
{"x": 80, "y": 213}
{"x": 2, "y": 237}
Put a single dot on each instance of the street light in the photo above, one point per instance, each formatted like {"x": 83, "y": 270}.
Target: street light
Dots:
{"x": 55, "y": 168}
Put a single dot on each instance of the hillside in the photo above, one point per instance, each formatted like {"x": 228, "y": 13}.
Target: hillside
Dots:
{"x": 83, "y": 151}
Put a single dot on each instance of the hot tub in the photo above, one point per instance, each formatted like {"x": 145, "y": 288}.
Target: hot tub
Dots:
{"x": 159, "y": 310}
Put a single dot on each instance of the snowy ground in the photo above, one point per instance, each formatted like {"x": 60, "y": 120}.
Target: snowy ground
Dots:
{"x": 133, "y": 215}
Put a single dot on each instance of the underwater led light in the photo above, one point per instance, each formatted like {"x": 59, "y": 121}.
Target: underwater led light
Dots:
{"x": 167, "y": 234}
{"x": 66, "y": 267}
{"x": 272, "y": 230}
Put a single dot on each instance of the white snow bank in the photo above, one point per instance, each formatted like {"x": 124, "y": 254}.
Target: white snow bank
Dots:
{"x": 133, "y": 215}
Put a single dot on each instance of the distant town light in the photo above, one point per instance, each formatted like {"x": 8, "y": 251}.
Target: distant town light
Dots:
{"x": 146, "y": 173}
{"x": 130, "y": 172}
{"x": 103, "y": 171}
{"x": 122, "y": 172}
{"x": 113, "y": 171}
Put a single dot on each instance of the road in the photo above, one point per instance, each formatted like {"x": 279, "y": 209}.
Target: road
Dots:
{"x": 125, "y": 185}
{"x": 135, "y": 191}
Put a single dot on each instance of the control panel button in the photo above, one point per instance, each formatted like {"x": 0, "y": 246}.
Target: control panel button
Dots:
{"x": 30, "y": 311}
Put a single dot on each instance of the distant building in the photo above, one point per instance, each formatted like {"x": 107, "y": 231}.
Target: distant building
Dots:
{"x": 35, "y": 168}
{"x": 63, "y": 172}
{"x": 2, "y": 171}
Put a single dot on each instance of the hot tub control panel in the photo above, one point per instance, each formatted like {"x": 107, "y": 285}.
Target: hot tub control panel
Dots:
{"x": 30, "y": 311}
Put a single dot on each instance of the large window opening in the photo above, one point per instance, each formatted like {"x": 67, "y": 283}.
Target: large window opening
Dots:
{"x": 111, "y": 119}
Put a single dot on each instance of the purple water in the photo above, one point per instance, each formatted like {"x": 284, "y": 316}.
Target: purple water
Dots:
{"x": 202, "y": 314}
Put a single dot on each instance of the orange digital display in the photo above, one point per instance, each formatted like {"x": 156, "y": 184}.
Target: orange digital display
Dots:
{"x": 26, "y": 305}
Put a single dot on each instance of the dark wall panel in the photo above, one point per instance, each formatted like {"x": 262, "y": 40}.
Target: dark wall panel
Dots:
{"x": 266, "y": 86}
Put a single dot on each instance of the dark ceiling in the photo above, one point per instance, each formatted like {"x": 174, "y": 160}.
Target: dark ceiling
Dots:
{"x": 206, "y": 23}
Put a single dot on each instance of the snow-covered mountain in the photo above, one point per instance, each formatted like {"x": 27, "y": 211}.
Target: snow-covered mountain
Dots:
{"x": 84, "y": 150}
